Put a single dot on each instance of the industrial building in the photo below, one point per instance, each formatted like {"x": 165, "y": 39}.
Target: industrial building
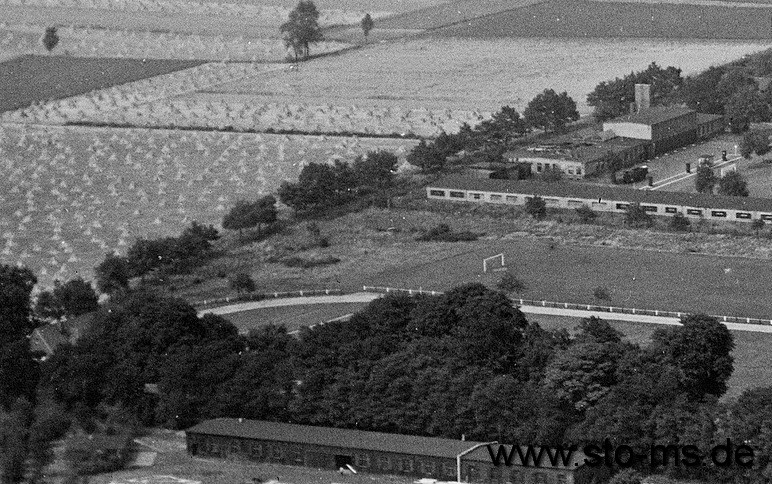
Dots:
{"x": 634, "y": 138}
{"x": 375, "y": 452}
{"x": 664, "y": 127}
{"x": 602, "y": 198}
{"x": 580, "y": 156}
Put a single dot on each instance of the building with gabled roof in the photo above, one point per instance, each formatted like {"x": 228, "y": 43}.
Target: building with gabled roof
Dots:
{"x": 378, "y": 452}
{"x": 45, "y": 339}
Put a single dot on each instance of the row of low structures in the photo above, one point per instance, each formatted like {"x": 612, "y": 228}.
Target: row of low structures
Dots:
{"x": 602, "y": 198}
{"x": 378, "y": 453}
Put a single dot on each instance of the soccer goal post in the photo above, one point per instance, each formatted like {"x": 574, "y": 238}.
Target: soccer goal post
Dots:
{"x": 494, "y": 262}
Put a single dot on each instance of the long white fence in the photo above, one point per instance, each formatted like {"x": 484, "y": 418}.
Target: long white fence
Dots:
{"x": 259, "y": 296}
{"x": 583, "y": 307}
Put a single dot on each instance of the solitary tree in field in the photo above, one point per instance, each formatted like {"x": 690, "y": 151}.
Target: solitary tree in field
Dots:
{"x": 510, "y": 283}
{"x": 551, "y": 111}
{"x": 50, "y": 39}
{"x": 367, "y": 24}
{"x": 302, "y": 28}
{"x": 242, "y": 282}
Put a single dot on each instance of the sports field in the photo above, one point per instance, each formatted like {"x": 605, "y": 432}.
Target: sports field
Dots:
{"x": 637, "y": 279}
{"x": 26, "y": 79}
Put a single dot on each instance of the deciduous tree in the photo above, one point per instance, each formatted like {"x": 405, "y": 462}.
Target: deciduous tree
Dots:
{"x": 612, "y": 98}
{"x": 302, "y": 28}
{"x": 246, "y": 215}
{"x": 636, "y": 216}
{"x": 701, "y": 348}
{"x": 536, "y": 207}
{"x": 112, "y": 274}
{"x": 551, "y": 111}
{"x": 367, "y": 24}
{"x": 242, "y": 282}
{"x": 73, "y": 298}
{"x": 733, "y": 184}
{"x": 319, "y": 186}
{"x": 50, "y": 38}
{"x": 376, "y": 171}
{"x": 705, "y": 179}
{"x": 754, "y": 142}
{"x": 510, "y": 283}
{"x": 504, "y": 126}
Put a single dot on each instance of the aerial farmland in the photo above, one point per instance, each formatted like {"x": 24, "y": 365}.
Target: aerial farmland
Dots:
{"x": 475, "y": 220}
{"x": 236, "y": 79}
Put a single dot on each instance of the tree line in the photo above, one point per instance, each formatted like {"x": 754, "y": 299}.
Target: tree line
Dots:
{"x": 466, "y": 362}
{"x": 549, "y": 111}
{"x": 732, "y": 90}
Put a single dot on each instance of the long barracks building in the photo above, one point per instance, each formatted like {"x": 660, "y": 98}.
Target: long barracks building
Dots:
{"x": 379, "y": 453}
{"x": 602, "y": 198}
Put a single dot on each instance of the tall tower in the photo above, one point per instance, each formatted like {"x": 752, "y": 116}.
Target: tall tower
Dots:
{"x": 642, "y": 97}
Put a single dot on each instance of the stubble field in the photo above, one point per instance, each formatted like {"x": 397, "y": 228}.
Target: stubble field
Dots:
{"x": 70, "y": 195}
{"x": 478, "y": 75}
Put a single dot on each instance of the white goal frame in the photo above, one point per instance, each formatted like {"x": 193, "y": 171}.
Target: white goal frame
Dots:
{"x": 493, "y": 257}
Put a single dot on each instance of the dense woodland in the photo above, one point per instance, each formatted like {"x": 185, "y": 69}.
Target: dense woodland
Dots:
{"x": 464, "y": 363}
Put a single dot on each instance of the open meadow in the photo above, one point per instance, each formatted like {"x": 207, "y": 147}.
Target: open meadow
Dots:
{"x": 637, "y": 279}
{"x": 71, "y": 194}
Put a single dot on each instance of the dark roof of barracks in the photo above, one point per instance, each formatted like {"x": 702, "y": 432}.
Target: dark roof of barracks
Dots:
{"x": 604, "y": 192}
{"x": 353, "y": 439}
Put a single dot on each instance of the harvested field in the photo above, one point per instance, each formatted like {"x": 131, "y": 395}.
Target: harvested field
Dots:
{"x": 180, "y": 16}
{"x": 72, "y": 194}
{"x": 81, "y": 42}
{"x": 450, "y": 13}
{"x": 129, "y": 96}
{"x": 208, "y": 110}
{"x": 614, "y": 19}
{"x": 27, "y": 79}
{"x": 478, "y": 75}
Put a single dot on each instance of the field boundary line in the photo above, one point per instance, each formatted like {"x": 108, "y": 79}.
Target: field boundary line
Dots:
{"x": 584, "y": 307}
